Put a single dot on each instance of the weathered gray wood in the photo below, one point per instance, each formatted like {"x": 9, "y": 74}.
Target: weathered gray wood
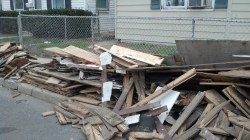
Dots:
{"x": 210, "y": 115}
{"x": 161, "y": 129}
{"x": 123, "y": 96}
{"x": 214, "y": 97}
{"x": 194, "y": 103}
{"x": 189, "y": 74}
{"x": 138, "y": 108}
{"x": 208, "y": 135}
{"x": 104, "y": 113}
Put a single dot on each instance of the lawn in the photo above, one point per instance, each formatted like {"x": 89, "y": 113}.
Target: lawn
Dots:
{"x": 50, "y": 42}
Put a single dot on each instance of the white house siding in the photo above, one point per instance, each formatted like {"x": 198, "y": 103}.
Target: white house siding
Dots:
{"x": 240, "y": 10}
{"x": 44, "y": 4}
{"x": 107, "y": 22}
{"x": 6, "y": 5}
{"x": 78, "y": 4}
{"x": 164, "y": 31}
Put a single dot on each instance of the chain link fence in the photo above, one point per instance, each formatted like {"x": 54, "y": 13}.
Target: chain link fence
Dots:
{"x": 150, "y": 35}
{"x": 8, "y": 29}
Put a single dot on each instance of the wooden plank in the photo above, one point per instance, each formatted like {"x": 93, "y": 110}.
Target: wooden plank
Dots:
{"x": 82, "y": 54}
{"x": 138, "y": 108}
{"x": 157, "y": 111}
{"x": 75, "y": 107}
{"x": 143, "y": 57}
{"x": 118, "y": 59}
{"x": 104, "y": 113}
{"x": 217, "y": 77}
{"x": 53, "y": 80}
{"x": 82, "y": 98}
{"x": 171, "y": 85}
{"x": 94, "y": 120}
{"x": 210, "y": 115}
{"x": 106, "y": 134}
{"x": 224, "y": 84}
{"x": 234, "y": 102}
{"x": 208, "y": 135}
{"x": 68, "y": 77}
{"x": 123, "y": 128}
{"x": 56, "y": 50}
{"x": 188, "y": 134}
{"x": 138, "y": 86}
{"x": 91, "y": 90}
{"x": 241, "y": 134}
{"x": 237, "y": 73}
{"x": 97, "y": 134}
{"x": 242, "y": 91}
{"x": 222, "y": 120}
{"x": 48, "y": 113}
{"x": 219, "y": 131}
{"x": 214, "y": 97}
{"x": 147, "y": 135}
{"x": 10, "y": 73}
{"x": 239, "y": 120}
{"x": 192, "y": 118}
{"x": 88, "y": 131}
{"x": 61, "y": 118}
{"x": 238, "y": 98}
{"x": 123, "y": 96}
{"x": 64, "y": 112}
{"x": 5, "y": 47}
{"x": 129, "y": 99}
{"x": 161, "y": 129}
{"x": 194, "y": 103}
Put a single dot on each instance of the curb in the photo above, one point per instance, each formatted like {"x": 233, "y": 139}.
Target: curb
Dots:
{"x": 31, "y": 90}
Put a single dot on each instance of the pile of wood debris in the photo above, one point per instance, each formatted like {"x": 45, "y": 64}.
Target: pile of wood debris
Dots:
{"x": 125, "y": 94}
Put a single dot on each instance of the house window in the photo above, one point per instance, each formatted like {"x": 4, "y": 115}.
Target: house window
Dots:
{"x": 187, "y": 4}
{"x": 102, "y": 4}
{"x": 38, "y": 4}
{"x": 19, "y": 4}
{"x": 58, "y": 4}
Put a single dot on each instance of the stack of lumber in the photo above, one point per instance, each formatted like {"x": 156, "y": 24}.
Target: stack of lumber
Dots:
{"x": 120, "y": 93}
{"x": 13, "y": 60}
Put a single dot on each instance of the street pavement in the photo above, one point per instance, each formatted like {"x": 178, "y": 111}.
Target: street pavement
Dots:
{"x": 20, "y": 119}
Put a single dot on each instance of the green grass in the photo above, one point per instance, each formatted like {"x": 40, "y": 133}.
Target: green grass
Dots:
{"x": 51, "y": 42}
{"x": 10, "y": 39}
{"x": 166, "y": 50}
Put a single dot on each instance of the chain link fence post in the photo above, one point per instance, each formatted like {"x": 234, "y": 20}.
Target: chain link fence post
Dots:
{"x": 20, "y": 31}
{"x": 92, "y": 32}
{"x": 193, "y": 28}
{"x": 65, "y": 28}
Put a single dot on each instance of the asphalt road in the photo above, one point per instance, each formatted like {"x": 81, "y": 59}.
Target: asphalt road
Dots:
{"x": 20, "y": 119}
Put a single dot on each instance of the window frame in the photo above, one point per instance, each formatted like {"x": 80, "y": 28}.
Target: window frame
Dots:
{"x": 185, "y": 7}
{"x": 52, "y": 5}
{"x": 34, "y": 3}
{"x": 103, "y": 9}
{"x": 14, "y": 2}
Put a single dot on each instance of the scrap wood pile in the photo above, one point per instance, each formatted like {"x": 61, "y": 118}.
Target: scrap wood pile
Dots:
{"x": 125, "y": 94}
{"x": 13, "y": 61}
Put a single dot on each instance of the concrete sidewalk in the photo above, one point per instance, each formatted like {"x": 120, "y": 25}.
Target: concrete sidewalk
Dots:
{"x": 21, "y": 120}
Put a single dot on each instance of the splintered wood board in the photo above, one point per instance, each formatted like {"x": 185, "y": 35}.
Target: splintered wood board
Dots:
{"x": 118, "y": 59}
{"x": 80, "y": 53}
{"x": 140, "y": 56}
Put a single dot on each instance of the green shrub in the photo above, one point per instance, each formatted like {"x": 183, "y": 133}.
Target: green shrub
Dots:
{"x": 51, "y": 27}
